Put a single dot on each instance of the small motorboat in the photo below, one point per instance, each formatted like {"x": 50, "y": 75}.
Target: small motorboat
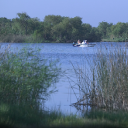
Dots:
{"x": 84, "y": 44}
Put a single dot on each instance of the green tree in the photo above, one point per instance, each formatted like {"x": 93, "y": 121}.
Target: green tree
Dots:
{"x": 51, "y": 27}
{"x": 86, "y": 30}
{"x": 76, "y": 24}
{"x": 52, "y": 19}
{"x": 5, "y": 26}
{"x": 62, "y": 31}
{"x": 46, "y": 31}
{"x": 103, "y": 28}
{"x": 34, "y": 24}
{"x": 119, "y": 29}
{"x": 39, "y": 33}
{"x": 23, "y": 22}
{"x": 57, "y": 32}
{"x": 95, "y": 35}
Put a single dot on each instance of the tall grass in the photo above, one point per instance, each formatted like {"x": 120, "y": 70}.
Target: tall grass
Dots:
{"x": 26, "y": 81}
{"x": 25, "y": 77}
{"x": 107, "y": 84}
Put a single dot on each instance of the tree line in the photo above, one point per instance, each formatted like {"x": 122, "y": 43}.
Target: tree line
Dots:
{"x": 55, "y": 28}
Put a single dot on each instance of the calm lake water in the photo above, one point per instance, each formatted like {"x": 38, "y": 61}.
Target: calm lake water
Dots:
{"x": 67, "y": 55}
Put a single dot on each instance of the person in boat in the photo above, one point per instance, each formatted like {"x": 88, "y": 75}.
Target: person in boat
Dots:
{"x": 85, "y": 42}
{"x": 73, "y": 43}
{"x": 78, "y": 42}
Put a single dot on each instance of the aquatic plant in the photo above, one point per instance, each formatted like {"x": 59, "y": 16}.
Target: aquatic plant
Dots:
{"x": 26, "y": 77}
{"x": 106, "y": 86}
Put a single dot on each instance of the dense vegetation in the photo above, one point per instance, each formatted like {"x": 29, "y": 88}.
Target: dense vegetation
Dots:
{"x": 53, "y": 28}
{"x": 106, "y": 85}
{"x": 27, "y": 79}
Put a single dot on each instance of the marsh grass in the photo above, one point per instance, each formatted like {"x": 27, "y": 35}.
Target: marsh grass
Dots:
{"x": 25, "y": 77}
{"x": 115, "y": 39}
{"x": 120, "y": 117}
{"x": 73, "y": 121}
{"x": 20, "y": 39}
{"x": 28, "y": 118}
{"x": 26, "y": 81}
{"x": 106, "y": 86}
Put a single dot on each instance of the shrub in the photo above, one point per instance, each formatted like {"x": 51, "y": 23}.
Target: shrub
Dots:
{"x": 26, "y": 77}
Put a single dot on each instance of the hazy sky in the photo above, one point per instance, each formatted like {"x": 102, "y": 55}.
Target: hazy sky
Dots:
{"x": 91, "y": 11}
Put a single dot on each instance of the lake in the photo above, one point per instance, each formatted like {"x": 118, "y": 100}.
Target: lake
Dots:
{"x": 67, "y": 55}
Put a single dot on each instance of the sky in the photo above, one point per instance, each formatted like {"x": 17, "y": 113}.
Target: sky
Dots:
{"x": 91, "y": 11}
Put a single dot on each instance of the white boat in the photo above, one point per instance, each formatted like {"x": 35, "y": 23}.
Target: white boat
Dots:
{"x": 84, "y": 44}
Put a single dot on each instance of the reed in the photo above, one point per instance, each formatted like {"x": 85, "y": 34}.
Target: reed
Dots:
{"x": 106, "y": 86}
{"x": 26, "y": 77}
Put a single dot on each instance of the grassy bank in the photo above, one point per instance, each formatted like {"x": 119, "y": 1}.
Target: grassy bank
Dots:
{"x": 10, "y": 38}
{"x": 121, "y": 39}
{"x": 34, "y": 39}
{"x": 28, "y": 118}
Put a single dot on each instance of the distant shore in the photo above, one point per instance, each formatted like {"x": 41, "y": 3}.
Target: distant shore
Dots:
{"x": 30, "y": 39}
{"x": 56, "y": 28}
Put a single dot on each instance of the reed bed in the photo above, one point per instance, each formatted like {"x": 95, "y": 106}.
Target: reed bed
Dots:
{"x": 26, "y": 81}
{"x": 26, "y": 77}
{"x": 106, "y": 84}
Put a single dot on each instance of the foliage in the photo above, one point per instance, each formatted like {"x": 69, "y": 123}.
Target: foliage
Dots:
{"x": 53, "y": 20}
{"x": 26, "y": 77}
{"x": 26, "y": 81}
{"x": 23, "y": 117}
{"x": 56, "y": 28}
{"x": 103, "y": 28}
{"x": 52, "y": 29}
